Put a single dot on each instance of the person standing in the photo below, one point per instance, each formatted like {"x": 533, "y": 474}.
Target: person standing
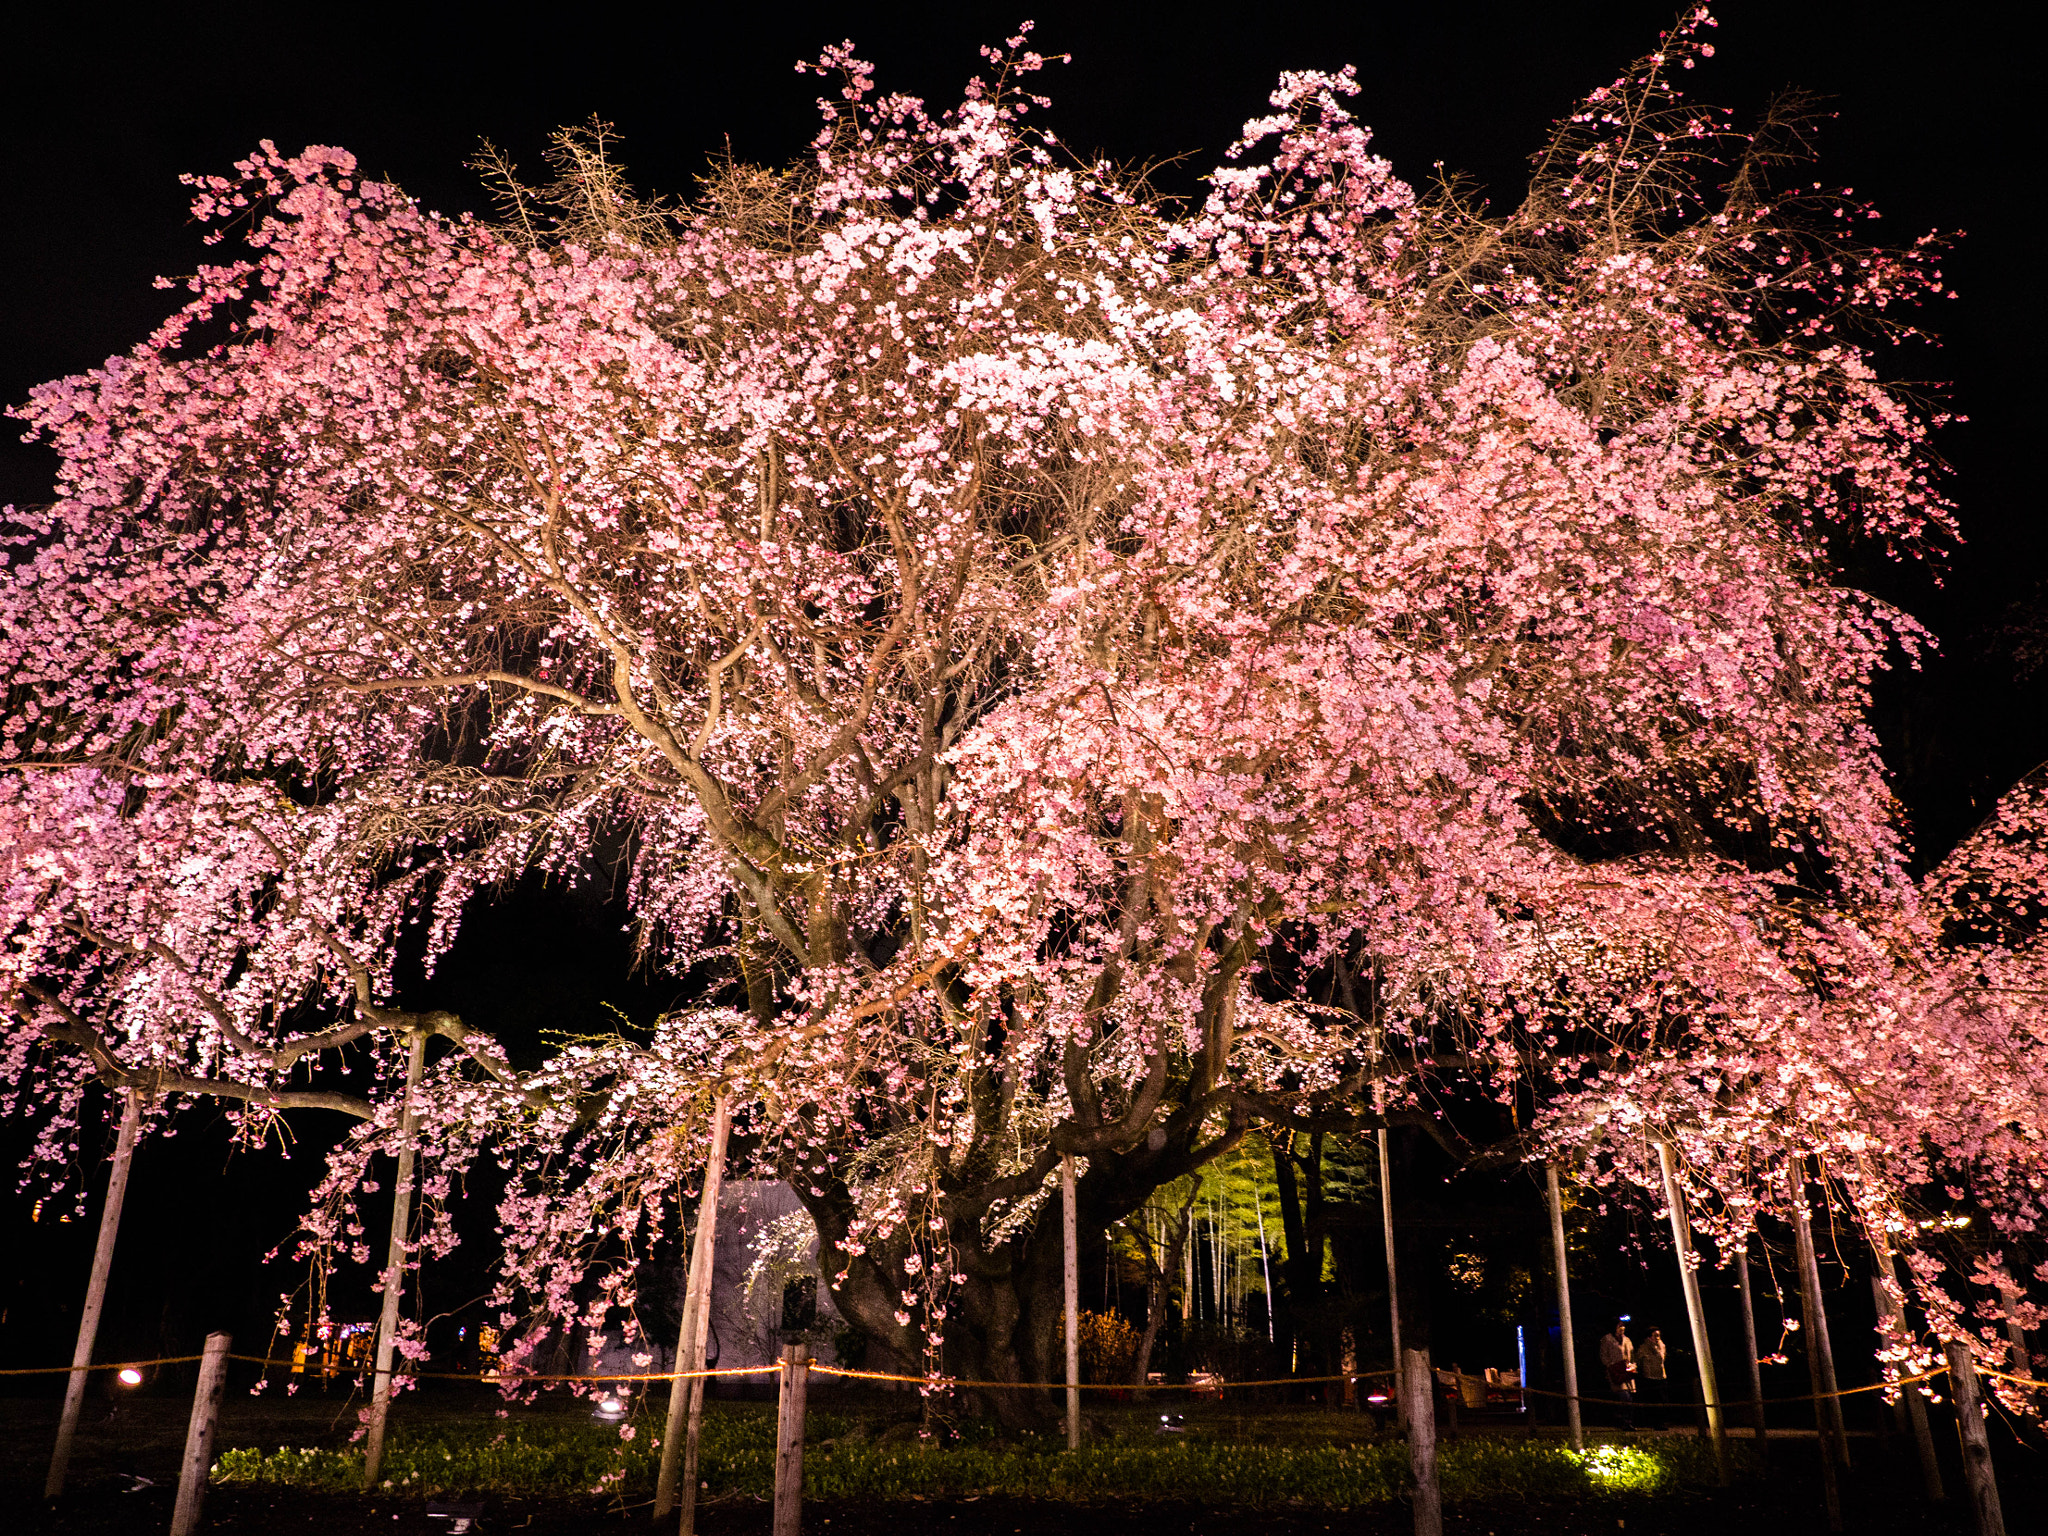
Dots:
{"x": 1651, "y": 1371}
{"x": 1618, "y": 1359}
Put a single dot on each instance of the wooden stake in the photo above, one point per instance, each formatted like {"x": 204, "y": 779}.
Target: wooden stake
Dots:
{"x": 1070, "y": 1237}
{"x": 394, "y": 1268}
{"x": 1816, "y": 1372}
{"x": 1756, "y": 1370}
{"x": 1689, "y": 1275}
{"x": 1912, "y": 1402}
{"x": 2021, "y": 1363}
{"x": 1819, "y": 1350}
{"x": 213, "y": 1375}
{"x": 95, "y": 1294}
{"x": 686, "y": 1393}
{"x": 1564, "y": 1308}
{"x": 791, "y": 1380}
{"x": 1393, "y": 1278}
{"x": 1419, "y": 1383}
{"x": 1987, "y": 1519}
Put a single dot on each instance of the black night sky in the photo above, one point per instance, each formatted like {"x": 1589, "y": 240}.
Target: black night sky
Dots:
{"x": 103, "y": 108}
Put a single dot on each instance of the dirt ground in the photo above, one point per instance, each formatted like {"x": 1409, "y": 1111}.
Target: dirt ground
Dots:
{"x": 124, "y": 1472}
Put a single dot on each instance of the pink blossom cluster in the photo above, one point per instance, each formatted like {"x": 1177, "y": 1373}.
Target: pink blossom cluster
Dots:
{"x": 1029, "y": 644}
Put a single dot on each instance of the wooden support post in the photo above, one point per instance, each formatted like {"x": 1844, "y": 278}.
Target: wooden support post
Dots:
{"x": 95, "y": 1293}
{"x": 1419, "y": 1383}
{"x": 1756, "y": 1368}
{"x": 1695, "y": 1313}
{"x": 1987, "y": 1519}
{"x": 686, "y": 1393}
{"x": 1819, "y": 1351}
{"x": 1071, "y": 1241}
{"x": 1816, "y": 1375}
{"x": 394, "y": 1267}
{"x": 213, "y": 1375}
{"x": 1912, "y": 1401}
{"x": 1393, "y": 1273}
{"x": 2020, "y": 1361}
{"x": 1564, "y": 1308}
{"x": 792, "y": 1380}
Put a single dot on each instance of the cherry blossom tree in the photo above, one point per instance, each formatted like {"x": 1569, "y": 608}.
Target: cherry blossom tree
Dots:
{"x": 1089, "y": 675}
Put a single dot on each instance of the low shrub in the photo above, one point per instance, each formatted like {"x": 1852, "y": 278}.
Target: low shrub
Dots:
{"x": 737, "y": 1457}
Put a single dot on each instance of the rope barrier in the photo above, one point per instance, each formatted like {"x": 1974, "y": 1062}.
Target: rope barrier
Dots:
{"x": 2024, "y": 1383}
{"x": 1731, "y": 1402}
{"x": 947, "y": 1383}
{"x": 118, "y": 1365}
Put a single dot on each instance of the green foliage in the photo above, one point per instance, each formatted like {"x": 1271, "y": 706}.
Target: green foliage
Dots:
{"x": 1207, "y": 1465}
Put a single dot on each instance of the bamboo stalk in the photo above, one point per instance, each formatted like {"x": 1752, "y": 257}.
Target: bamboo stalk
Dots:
{"x": 394, "y": 1267}
{"x": 1265, "y": 1262}
{"x": 1564, "y": 1308}
{"x": 95, "y": 1294}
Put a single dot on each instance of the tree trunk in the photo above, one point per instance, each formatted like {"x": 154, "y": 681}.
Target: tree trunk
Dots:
{"x": 1004, "y": 1317}
{"x": 1159, "y": 1268}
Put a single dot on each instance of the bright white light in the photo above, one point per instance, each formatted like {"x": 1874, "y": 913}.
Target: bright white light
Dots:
{"x": 131, "y": 1377}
